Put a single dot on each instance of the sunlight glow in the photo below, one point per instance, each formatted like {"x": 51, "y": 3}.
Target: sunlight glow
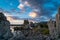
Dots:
{"x": 33, "y": 14}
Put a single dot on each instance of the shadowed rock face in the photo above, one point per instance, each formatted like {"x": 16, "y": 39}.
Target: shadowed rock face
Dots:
{"x": 5, "y": 32}
{"x": 2, "y": 17}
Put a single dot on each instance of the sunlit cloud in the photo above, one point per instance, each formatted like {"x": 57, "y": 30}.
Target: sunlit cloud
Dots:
{"x": 21, "y": 6}
{"x": 26, "y": 3}
{"x": 33, "y": 14}
{"x": 13, "y": 21}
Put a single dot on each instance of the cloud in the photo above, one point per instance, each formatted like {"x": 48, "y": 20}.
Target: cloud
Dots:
{"x": 21, "y": 6}
{"x": 47, "y": 7}
{"x": 26, "y": 3}
{"x": 20, "y": 0}
{"x": 14, "y": 21}
{"x": 36, "y": 10}
{"x": 13, "y": 10}
{"x": 6, "y": 13}
{"x": 33, "y": 14}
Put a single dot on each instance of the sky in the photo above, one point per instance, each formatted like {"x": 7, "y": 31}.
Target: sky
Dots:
{"x": 34, "y": 10}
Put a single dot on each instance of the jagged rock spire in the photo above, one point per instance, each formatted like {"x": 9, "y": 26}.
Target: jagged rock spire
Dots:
{"x": 2, "y": 17}
{"x": 5, "y": 32}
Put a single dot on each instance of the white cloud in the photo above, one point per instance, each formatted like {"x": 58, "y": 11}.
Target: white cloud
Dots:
{"x": 12, "y": 21}
{"x": 26, "y": 3}
{"x": 36, "y": 10}
{"x": 7, "y": 14}
{"x": 20, "y": 6}
{"x": 44, "y": 17}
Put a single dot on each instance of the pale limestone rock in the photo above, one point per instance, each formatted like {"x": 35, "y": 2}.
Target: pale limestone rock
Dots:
{"x": 18, "y": 35}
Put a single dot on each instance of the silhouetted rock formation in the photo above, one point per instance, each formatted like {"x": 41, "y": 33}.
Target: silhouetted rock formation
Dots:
{"x": 5, "y": 32}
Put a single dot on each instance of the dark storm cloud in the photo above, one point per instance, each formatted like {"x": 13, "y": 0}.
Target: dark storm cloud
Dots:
{"x": 47, "y": 7}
